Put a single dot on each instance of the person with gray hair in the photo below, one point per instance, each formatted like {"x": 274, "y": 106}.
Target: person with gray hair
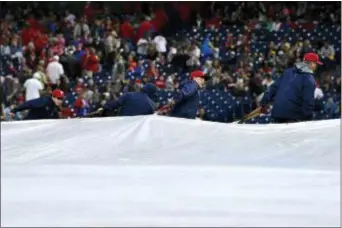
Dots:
{"x": 293, "y": 93}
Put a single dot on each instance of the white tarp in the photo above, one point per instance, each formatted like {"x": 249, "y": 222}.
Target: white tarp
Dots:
{"x": 159, "y": 171}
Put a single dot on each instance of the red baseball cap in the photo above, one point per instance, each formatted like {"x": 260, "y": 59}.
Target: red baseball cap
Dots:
{"x": 197, "y": 74}
{"x": 312, "y": 57}
{"x": 58, "y": 93}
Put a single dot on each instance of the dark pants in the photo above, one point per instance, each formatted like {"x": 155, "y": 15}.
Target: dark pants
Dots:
{"x": 282, "y": 120}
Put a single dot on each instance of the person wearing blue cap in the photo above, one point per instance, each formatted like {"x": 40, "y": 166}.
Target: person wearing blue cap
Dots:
{"x": 133, "y": 103}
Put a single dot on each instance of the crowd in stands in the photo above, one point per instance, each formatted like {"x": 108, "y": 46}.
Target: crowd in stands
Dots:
{"x": 97, "y": 54}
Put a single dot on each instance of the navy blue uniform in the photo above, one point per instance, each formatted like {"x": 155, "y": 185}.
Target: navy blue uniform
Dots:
{"x": 134, "y": 103}
{"x": 40, "y": 108}
{"x": 187, "y": 101}
{"x": 293, "y": 94}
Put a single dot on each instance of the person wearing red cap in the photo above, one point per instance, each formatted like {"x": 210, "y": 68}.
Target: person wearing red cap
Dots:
{"x": 293, "y": 93}
{"x": 186, "y": 101}
{"x": 47, "y": 107}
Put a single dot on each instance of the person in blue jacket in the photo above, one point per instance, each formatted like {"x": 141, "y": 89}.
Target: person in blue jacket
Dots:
{"x": 293, "y": 93}
{"x": 134, "y": 103}
{"x": 186, "y": 101}
{"x": 47, "y": 107}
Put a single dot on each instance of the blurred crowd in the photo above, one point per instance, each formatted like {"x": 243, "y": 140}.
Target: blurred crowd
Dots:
{"x": 95, "y": 52}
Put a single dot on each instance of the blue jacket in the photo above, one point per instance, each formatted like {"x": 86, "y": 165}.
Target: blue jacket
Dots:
{"x": 187, "y": 101}
{"x": 292, "y": 94}
{"x": 205, "y": 47}
{"x": 40, "y": 108}
{"x": 135, "y": 103}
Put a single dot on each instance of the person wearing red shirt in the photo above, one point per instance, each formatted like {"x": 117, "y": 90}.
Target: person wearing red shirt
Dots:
{"x": 160, "y": 19}
{"x": 90, "y": 62}
{"x": 127, "y": 30}
{"x": 81, "y": 105}
{"x": 214, "y": 22}
{"x": 184, "y": 11}
{"x": 160, "y": 82}
{"x": 41, "y": 41}
{"x": 145, "y": 27}
{"x": 88, "y": 11}
{"x": 152, "y": 71}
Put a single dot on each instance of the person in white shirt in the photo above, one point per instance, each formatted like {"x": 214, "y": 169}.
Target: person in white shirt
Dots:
{"x": 171, "y": 54}
{"x": 194, "y": 54}
{"x": 328, "y": 51}
{"x": 142, "y": 46}
{"x": 112, "y": 42}
{"x": 70, "y": 18}
{"x": 54, "y": 72}
{"x": 161, "y": 43}
{"x": 33, "y": 87}
{"x": 81, "y": 29}
{"x": 195, "y": 51}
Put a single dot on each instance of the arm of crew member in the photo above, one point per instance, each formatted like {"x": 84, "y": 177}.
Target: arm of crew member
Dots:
{"x": 187, "y": 91}
{"x": 270, "y": 92}
{"x": 112, "y": 105}
{"x": 308, "y": 99}
{"x": 31, "y": 104}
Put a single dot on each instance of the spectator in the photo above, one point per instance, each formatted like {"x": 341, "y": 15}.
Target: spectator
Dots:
{"x": 327, "y": 51}
{"x": 160, "y": 83}
{"x": 145, "y": 28}
{"x": 54, "y": 72}
{"x": 172, "y": 52}
{"x": 199, "y": 21}
{"x": 81, "y": 29}
{"x": 119, "y": 68}
{"x": 267, "y": 81}
{"x": 81, "y": 104}
{"x": 33, "y": 87}
{"x": 127, "y": 31}
{"x": 64, "y": 83}
{"x": 40, "y": 73}
{"x": 160, "y": 43}
{"x": 169, "y": 84}
{"x": 142, "y": 46}
{"x": 90, "y": 62}
{"x": 331, "y": 108}
{"x": 112, "y": 42}
{"x": 69, "y": 18}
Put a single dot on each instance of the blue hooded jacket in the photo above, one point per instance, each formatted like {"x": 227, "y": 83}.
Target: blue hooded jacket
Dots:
{"x": 205, "y": 47}
{"x": 187, "y": 101}
{"x": 135, "y": 103}
{"x": 40, "y": 108}
{"x": 292, "y": 94}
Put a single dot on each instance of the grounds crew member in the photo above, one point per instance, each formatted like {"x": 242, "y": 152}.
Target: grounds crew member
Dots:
{"x": 293, "y": 93}
{"x": 47, "y": 107}
{"x": 186, "y": 101}
{"x": 134, "y": 103}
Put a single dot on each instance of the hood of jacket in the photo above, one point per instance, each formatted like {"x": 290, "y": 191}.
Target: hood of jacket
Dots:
{"x": 303, "y": 68}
